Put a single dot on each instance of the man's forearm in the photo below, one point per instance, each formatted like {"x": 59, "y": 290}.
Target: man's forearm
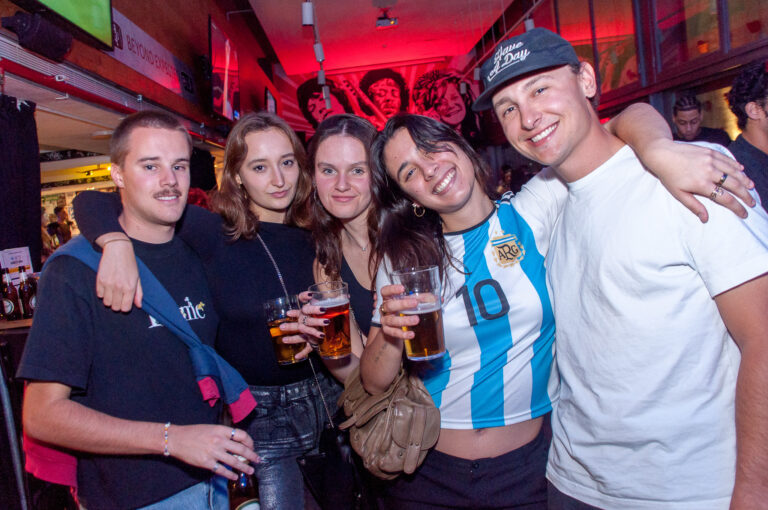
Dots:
{"x": 751, "y": 489}
{"x": 638, "y": 125}
{"x": 71, "y": 425}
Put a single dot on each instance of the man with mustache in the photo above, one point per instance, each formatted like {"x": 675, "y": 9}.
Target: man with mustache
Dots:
{"x": 661, "y": 319}
{"x": 119, "y": 389}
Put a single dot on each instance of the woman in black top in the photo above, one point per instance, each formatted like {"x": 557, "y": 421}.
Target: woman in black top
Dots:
{"x": 261, "y": 181}
{"x": 342, "y": 220}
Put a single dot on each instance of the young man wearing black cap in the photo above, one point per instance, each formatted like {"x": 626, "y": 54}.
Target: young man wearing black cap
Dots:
{"x": 661, "y": 323}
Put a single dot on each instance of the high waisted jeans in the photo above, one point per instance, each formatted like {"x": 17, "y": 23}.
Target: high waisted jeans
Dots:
{"x": 285, "y": 425}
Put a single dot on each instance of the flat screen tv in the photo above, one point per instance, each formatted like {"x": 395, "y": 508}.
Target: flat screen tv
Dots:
{"x": 91, "y": 19}
{"x": 225, "y": 78}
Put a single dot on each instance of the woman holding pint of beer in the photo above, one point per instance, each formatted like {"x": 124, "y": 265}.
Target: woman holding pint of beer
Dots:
{"x": 490, "y": 380}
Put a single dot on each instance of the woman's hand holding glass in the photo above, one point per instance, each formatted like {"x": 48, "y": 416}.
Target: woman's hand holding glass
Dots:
{"x": 392, "y": 323}
{"x": 307, "y": 329}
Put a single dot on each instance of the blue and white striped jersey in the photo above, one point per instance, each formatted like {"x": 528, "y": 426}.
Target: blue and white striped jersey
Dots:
{"x": 498, "y": 320}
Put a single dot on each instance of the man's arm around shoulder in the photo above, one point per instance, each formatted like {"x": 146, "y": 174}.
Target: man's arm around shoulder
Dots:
{"x": 744, "y": 310}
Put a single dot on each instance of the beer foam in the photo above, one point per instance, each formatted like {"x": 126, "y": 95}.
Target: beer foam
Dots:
{"x": 330, "y": 302}
{"x": 422, "y": 308}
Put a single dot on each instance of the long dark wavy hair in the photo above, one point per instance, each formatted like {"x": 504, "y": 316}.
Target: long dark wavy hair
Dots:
{"x": 405, "y": 239}
{"x": 326, "y": 229}
{"x": 230, "y": 200}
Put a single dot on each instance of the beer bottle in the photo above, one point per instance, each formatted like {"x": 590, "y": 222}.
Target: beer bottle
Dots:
{"x": 243, "y": 492}
{"x": 10, "y": 298}
{"x": 27, "y": 293}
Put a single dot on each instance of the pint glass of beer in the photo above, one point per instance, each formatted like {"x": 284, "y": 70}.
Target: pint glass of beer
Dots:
{"x": 423, "y": 284}
{"x": 276, "y": 311}
{"x": 334, "y": 297}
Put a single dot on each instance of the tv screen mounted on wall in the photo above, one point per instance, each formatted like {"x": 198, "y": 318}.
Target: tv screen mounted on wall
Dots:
{"x": 225, "y": 78}
{"x": 88, "y": 20}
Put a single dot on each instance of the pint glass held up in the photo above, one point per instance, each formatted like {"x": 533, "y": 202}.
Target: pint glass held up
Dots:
{"x": 276, "y": 311}
{"x": 423, "y": 284}
{"x": 334, "y": 297}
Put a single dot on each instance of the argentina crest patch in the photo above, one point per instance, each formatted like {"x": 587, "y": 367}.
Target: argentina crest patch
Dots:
{"x": 507, "y": 250}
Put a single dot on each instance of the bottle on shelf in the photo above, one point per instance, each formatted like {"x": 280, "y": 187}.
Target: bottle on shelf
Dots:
{"x": 27, "y": 293}
{"x": 11, "y": 309}
{"x": 244, "y": 492}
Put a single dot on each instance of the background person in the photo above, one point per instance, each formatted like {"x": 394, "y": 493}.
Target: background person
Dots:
{"x": 748, "y": 99}
{"x": 686, "y": 117}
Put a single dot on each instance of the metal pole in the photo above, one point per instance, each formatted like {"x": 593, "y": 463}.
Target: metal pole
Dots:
{"x": 13, "y": 440}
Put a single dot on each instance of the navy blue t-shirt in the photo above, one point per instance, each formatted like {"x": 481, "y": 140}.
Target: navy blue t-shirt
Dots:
{"x": 755, "y": 164}
{"x": 126, "y": 365}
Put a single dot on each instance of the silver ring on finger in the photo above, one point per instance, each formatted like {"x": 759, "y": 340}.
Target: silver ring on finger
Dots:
{"x": 232, "y": 434}
{"x": 722, "y": 179}
{"x": 215, "y": 467}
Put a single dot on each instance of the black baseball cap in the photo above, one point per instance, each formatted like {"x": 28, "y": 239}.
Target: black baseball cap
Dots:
{"x": 530, "y": 51}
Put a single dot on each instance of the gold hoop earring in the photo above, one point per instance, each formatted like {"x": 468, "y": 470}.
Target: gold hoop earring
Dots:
{"x": 418, "y": 210}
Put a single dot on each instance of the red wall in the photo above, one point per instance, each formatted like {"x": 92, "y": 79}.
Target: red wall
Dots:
{"x": 181, "y": 26}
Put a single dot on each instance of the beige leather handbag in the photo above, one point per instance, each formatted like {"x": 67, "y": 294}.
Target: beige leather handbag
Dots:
{"x": 391, "y": 431}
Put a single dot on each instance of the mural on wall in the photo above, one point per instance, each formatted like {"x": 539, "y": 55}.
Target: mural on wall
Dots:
{"x": 427, "y": 89}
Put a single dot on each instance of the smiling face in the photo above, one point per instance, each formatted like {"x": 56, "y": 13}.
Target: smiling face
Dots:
{"x": 547, "y": 117}
{"x": 451, "y": 107}
{"x": 386, "y": 94}
{"x": 269, "y": 174}
{"x": 343, "y": 177}
{"x": 442, "y": 181}
{"x": 153, "y": 181}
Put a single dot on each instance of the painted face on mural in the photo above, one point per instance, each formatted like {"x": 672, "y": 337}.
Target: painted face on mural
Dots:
{"x": 316, "y": 107}
{"x": 386, "y": 94}
{"x": 451, "y": 107}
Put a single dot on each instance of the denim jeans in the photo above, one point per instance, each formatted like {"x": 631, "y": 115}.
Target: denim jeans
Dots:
{"x": 285, "y": 425}
{"x": 208, "y": 495}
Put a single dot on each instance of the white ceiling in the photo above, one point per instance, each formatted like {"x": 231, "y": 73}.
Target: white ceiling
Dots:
{"x": 427, "y": 29}
{"x": 64, "y": 122}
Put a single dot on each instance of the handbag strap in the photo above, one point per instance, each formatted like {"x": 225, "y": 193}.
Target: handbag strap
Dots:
{"x": 285, "y": 290}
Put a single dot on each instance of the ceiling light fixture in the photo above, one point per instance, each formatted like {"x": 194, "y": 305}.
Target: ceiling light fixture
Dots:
{"x": 307, "y": 14}
{"x": 384, "y": 22}
{"x": 529, "y": 25}
{"x": 319, "y": 55}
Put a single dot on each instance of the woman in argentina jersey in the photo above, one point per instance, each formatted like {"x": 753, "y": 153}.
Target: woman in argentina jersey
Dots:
{"x": 496, "y": 381}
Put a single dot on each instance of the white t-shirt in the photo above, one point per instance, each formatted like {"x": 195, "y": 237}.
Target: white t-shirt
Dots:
{"x": 648, "y": 370}
{"x": 497, "y": 318}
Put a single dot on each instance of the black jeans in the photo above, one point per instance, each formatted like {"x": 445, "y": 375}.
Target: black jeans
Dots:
{"x": 286, "y": 424}
{"x": 513, "y": 480}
